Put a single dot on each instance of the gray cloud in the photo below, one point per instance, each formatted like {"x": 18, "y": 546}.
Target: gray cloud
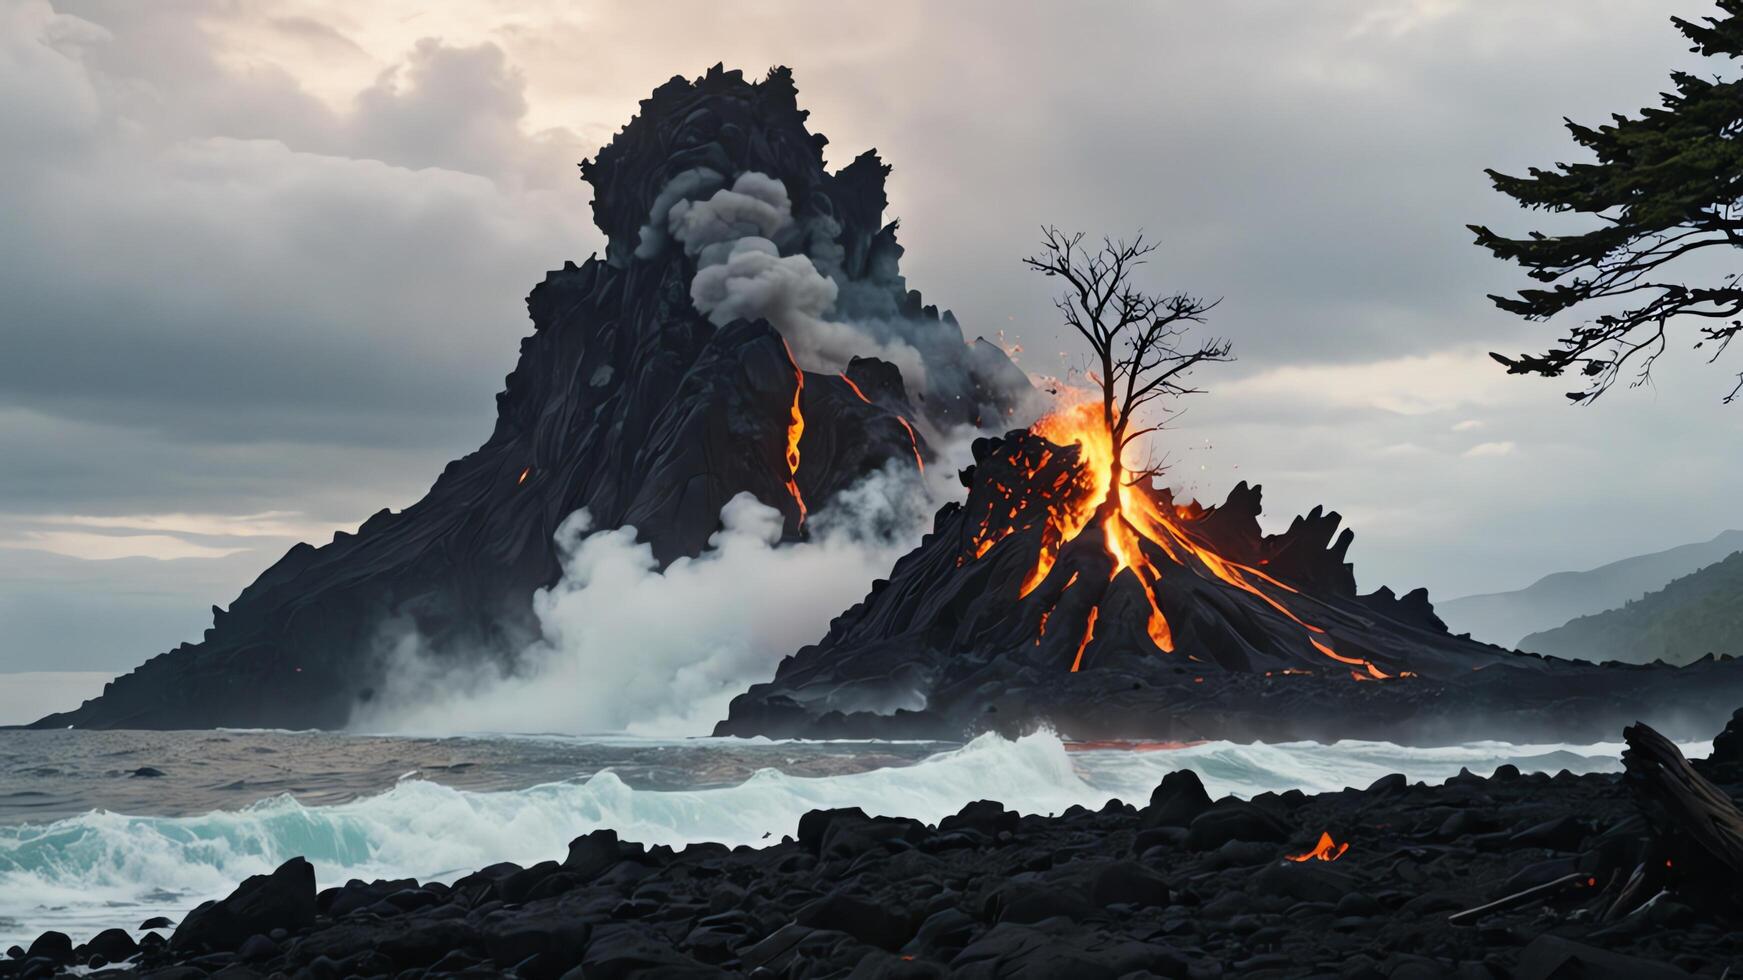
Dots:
{"x": 215, "y": 285}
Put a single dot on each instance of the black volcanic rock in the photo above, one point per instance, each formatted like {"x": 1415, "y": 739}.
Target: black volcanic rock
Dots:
{"x": 284, "y": 899}
{"x": 1270, "y": 638}
{"x": 1087, "y": 893}
{"x": 1727, "y": 756}
{"x": 626, "y": 401}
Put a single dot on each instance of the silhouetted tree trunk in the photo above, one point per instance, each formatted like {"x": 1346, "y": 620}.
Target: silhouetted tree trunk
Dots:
{"x": 1138, "y": 340}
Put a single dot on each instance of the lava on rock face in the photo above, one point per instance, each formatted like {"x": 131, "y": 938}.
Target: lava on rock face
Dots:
{"x": 627, "y": 401}
{"x": 795, "y": 433}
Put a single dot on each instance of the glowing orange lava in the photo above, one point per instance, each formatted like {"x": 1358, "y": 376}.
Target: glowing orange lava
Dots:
{"x": 1133, "y": 517}
{"x": 912, "y": 441}
{"x": 1326, "y": 850}
{"x": 1088, "y": 634}
{"x": 856, "y": 389}
{"x": 795, "y": 429}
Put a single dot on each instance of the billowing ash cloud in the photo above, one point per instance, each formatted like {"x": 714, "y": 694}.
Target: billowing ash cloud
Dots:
{"x": 737, "y": 235}
{"x": 680, "y": 189}
{"x": 755, "y": 208}
{"x": 755, "y": 281}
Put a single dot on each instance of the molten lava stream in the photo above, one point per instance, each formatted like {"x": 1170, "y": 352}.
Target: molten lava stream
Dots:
{"x": 795, "y": 429}
{"x": 1136, "y": 517}
{"x": 1128, "y": 553}
{"x": 913, "y": 441}
{"x": 1088, "y": 634}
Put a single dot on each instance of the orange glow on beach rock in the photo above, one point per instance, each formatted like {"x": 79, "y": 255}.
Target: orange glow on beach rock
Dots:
{"x": 1326, "y": 850}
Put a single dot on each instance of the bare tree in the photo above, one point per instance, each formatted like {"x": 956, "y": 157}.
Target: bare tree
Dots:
{"x": 1138, "y": 339}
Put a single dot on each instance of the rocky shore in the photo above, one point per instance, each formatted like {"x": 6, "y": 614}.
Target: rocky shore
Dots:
{"x": 1514, "y": 875}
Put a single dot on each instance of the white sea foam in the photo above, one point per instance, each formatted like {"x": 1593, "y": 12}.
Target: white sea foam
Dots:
{"x": 102, "y": 869}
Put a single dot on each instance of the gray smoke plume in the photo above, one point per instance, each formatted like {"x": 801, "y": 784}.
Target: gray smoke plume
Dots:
{"x": 687, "y": 185}
{"x": 755, "y": 261}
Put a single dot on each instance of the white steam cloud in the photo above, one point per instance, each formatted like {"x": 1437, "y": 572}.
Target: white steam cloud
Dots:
{"x": 625, "y": 646}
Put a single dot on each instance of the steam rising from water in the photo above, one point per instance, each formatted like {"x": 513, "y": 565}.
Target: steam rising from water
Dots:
{"x": 625, "y": 646}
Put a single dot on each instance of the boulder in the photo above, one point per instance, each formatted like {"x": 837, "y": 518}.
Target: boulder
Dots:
{"x": 284, "y": 899}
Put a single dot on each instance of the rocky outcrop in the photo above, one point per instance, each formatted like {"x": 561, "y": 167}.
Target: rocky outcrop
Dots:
{"x": 284, "y": 899}
{"x": 626, "y": 401}
{"x": 1266, "y": 637}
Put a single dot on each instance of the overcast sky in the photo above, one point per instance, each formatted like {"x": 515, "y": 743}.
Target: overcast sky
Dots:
{"x": 262, "y": 264}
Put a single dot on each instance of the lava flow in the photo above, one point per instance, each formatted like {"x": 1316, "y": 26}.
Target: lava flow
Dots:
{"x": 1130, "y": 518}
{"x": 912, "y": 439}
{"x": 795, "y": 429}
{"x": 1326, "y": 850}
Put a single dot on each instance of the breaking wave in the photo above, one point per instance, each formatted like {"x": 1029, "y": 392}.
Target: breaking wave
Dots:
{"x": 101, "y": 869}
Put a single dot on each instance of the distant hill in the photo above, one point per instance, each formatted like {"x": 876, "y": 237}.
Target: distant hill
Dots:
{"x": 1687, "y": 619}
{"x": 1505, "y": 617}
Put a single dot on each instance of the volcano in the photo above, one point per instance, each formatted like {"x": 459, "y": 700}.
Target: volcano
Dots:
{"x": 1046, "y": 600}
{"x": 748, "y": 331}
{"x": 627, "y": 400}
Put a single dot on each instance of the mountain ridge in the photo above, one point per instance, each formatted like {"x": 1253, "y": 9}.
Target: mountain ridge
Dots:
{"x": 1697, "y": 614}
{"x": 1505, "y": 618}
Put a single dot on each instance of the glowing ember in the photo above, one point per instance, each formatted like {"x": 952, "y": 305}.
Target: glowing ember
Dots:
{"x": 523, "y": 476}
{"x": 1326, "y": 850}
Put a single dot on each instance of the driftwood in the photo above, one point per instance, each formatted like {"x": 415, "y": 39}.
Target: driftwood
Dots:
{"x": 1696, "y": 825}
{"x": 1516, "y": 899}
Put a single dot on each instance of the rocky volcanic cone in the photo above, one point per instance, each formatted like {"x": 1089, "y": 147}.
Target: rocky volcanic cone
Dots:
{"x": 627, "y": 401}
{"x": 1038, "y": 601}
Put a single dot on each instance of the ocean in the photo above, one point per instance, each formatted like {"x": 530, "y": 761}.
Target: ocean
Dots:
{"x": 90, "y": 839}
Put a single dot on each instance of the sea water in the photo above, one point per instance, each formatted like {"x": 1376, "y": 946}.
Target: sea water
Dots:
{"x": 88, "y": 841}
